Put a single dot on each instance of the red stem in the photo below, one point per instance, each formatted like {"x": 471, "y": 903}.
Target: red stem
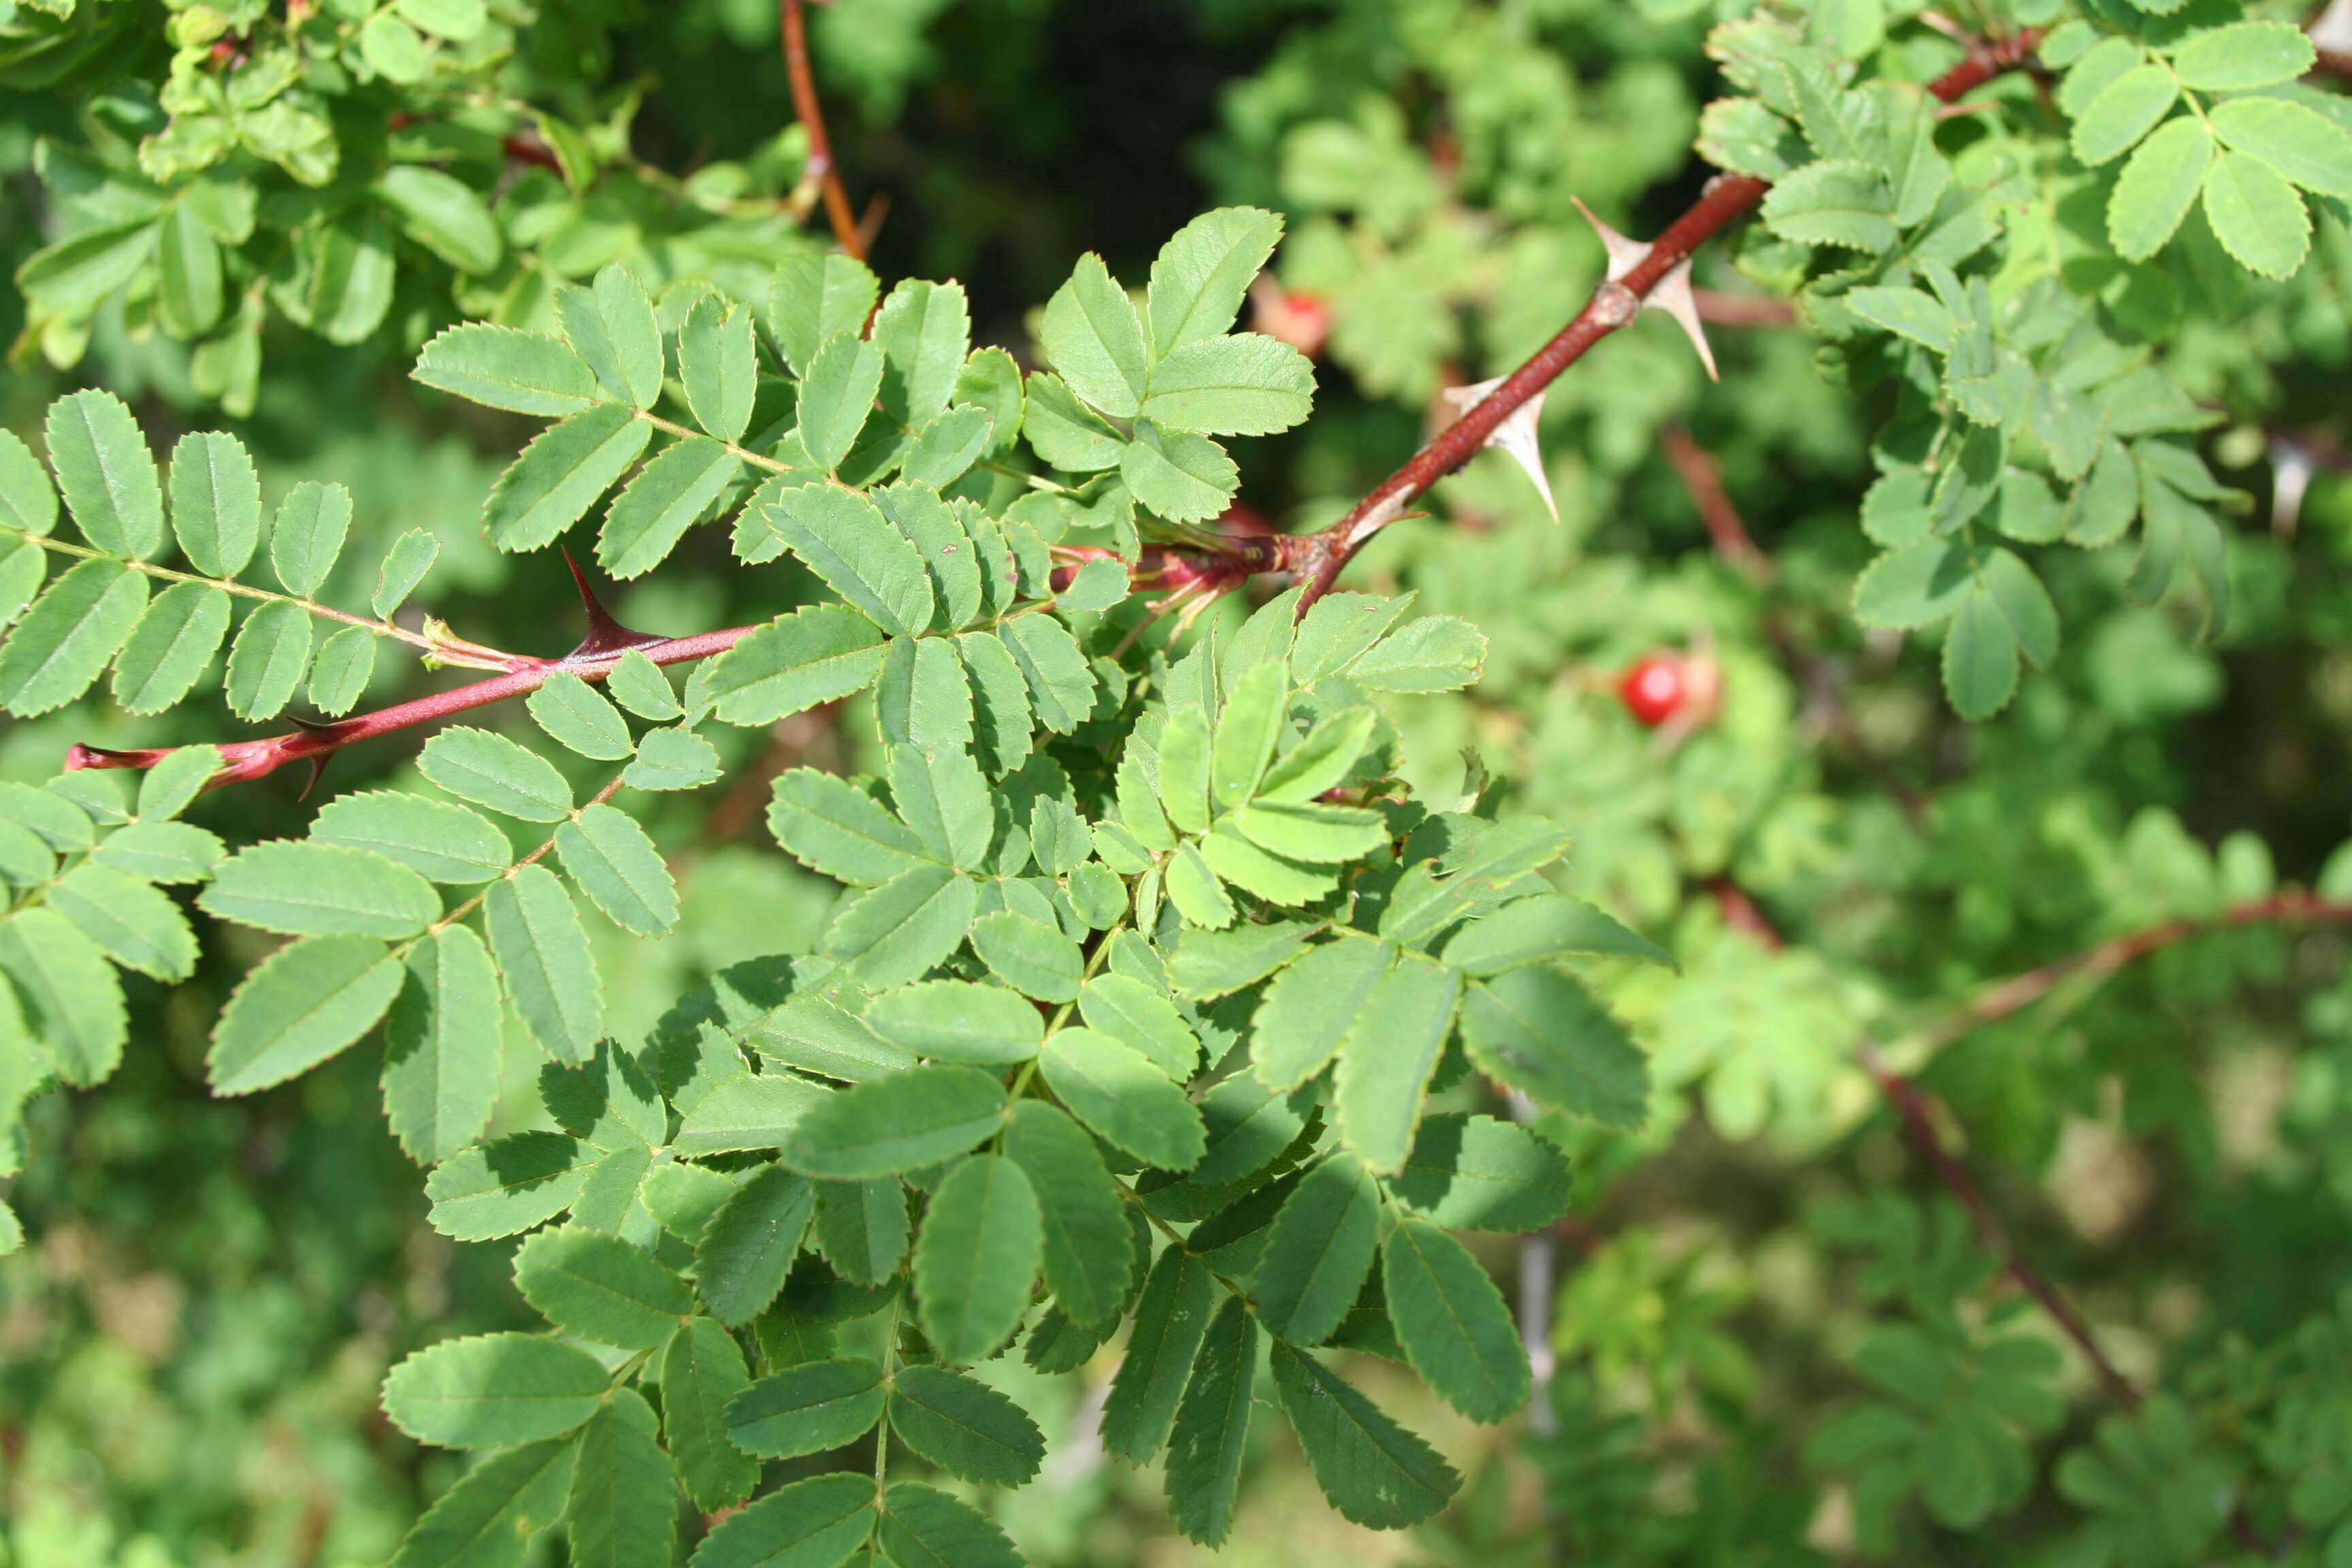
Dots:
{"x": 252, "y": 759}
{"x": 794, "y": 26}
{"x": 1320, "y": 557}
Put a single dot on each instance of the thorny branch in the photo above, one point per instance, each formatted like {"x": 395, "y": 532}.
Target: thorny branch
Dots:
{"x": 1320, "y": 557}
{"x": 1191, "y": 572}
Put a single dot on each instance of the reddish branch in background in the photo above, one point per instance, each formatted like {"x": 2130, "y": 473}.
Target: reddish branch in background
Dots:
{"x": 1696, "y": 469}
{"x": 1915, "y": 1108}
{"x": 793, "y": 25}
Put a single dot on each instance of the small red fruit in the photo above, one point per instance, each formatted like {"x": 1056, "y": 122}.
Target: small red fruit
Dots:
{"x": 1655, "y": 689}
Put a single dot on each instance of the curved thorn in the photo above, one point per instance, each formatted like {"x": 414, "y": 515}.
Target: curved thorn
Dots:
{"x": 606, "y": 636}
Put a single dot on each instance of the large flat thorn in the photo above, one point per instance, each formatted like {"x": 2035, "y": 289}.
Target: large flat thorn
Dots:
{"x": 1514, "y": 435}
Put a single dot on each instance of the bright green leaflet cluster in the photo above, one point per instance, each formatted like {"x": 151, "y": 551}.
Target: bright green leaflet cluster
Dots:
{"x": 1151, "y": 1021}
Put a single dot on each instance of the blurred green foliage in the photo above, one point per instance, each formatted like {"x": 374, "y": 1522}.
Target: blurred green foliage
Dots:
{"x": 1776, "y": 1342}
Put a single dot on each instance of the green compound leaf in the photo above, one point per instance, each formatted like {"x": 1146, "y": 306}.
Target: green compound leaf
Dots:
{"x": 612, "y": 328}
{"x": 1541, "y": 1033}
{"x": 173, "y": 783}
{"x": 216, "y": 503}
{"x": 1243, "y": 385}
{"x": 966, "y": 1428}
{"x": 507, "y": 1186}
{"x": 941, "y": 795}
{"x": 2125, "y": 109}
{"x": 1837, "y": 202}
{"x": 303, "y": 889}
{"x": 1183, "y": 476}
{"x": 1142, "y": 1015}
{"x": 2256, "y": 215}
{"x": 836, "y": 829}
{"x": 68, "y": 994}
{"x": 845, "y": 539}
{"x": 1452, "y": 1321}
{"x": 1387, "y": 1057}
{"x": 562, "y": 474}
{"x": 66, "y": 637}
{"x": 266, "y": 662}
{"x": 504, "y": 368}
{"x": 1318, "y": 1252}
{"x": 2244, "y": 54}
{"x": 106, "y": 473}
{"x": 2158, "y": 187}
{"x": 861, "y": 1228}
{"x": 624, "y": 1506}
{"x": 492, "y": 771}
{"x": 959, "y": 1021}
{"x": 978, "y": 1253}
{"x": 28, "y": 502}
{"x": 171, "y": 647}
{"x": 137, "y": 926}
{"x": 637, "y": 684}
{"x": 614, "y": 862}
{"x": 1211, "y": 1432}
{"x": 910, "y": 1118}
{"x": 921, "y": 1526}
{"x": 1210, "y": 965}
{"x": 812, "y": 300}
{"x": 439, "y": 839}
{"x": 1034, "y": 958}
{"x": 509, "y": 1496}
{"x": 683, "y": 484}
{"x": 836, "y": 395}
{"x": 1171, "y": 1317}
{"x": 2296, "y": 139}
{"x": 1088, "y": 1256}
{"x": 341, "y": 669}
{"x": 719, "y": 364}
{"x": 577, "y": 717}
{"x": 807, "y": 1409}
{"x": 894, "y": 933}
{"x": 543, "y": 957}
{"x": 924, "y": 331}
{"x": 494, "y": 1390}
{"x": 1094, "y": 339}
{"x": 300, "y": 1005}
{"x": 747, "y": 1246}
{"x": 820, "y": 653}
{"x": 1202, "y": 275}
{"x": 308, "y": 535}
{"x": 598, "y": 1287}
{"x": 819, "y": 1523}
{"x": 1373, "y": 1470}
{"x": 1534, "y": 931}
{"x": 701, "y": 1373}
{"x": 671, "y": 759}
{"x": 1474, "y": 1172}
{"x": 1124, "y": 1100}
{"x": 443, "y": 1046}
{"x": 1061, "y": 682}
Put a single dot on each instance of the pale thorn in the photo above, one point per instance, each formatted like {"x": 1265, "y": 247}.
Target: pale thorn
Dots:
{"x": 1672, "y": 294}
{"x": 1515, "y": 435}
{"x": 2292, "y": 468}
